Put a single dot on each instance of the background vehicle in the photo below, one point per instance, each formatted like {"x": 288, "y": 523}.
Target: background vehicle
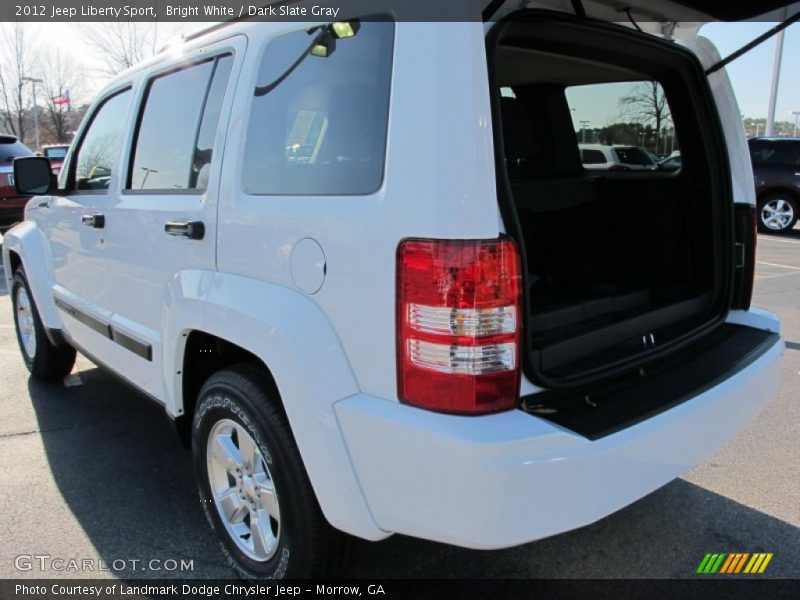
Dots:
{"x": 776, "y": 168}
{"x": 351, "y": 328}
{"x": 671, "y": 163}
{"x": 12, "y": 205}
{"x": 616, "y": 158}
{"x": 55, "y": 153}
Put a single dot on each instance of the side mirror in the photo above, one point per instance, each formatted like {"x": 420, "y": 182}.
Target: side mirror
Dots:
{"x": 33, "y": 176}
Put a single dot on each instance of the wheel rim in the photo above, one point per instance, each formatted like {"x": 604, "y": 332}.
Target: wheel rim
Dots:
{"x": 25, "y": 323}
{"x": 243, "y": 490}
{"x": 777, "y": 214}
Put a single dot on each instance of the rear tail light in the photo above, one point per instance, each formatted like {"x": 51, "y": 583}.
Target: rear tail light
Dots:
{"x": 458, "y": 324}
{"x": 745, "y": 234}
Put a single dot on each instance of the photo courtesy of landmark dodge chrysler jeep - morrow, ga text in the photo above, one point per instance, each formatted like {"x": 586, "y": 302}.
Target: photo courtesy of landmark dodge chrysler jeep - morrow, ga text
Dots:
{"x": 363, "y": 269}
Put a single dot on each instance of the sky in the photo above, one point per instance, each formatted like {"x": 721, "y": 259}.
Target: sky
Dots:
{"x": 750, "y": 74}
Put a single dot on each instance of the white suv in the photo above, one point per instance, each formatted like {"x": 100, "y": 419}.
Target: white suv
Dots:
{"x": 364, "y": 271}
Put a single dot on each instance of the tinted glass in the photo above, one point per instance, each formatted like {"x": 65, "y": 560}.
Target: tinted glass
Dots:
{"x": 633, "y": 156}
{"x": 778, "y": 154}
{"x": 318, "y": 125}
{"x": 95, "y": 160}
{"x": 208, "y": 126}
{"x": 592, "y": 157}
{"x": 11, "y": 150}
{"x": 164, "y": 156}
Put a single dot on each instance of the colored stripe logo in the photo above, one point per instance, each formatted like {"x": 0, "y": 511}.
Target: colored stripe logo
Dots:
{"x": 734, "y": 563}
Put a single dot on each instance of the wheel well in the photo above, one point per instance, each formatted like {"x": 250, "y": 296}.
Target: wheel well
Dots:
{"x": 204, "y": 355}
{"x": 15, "y": 261}
{"x": 794, "y": 194}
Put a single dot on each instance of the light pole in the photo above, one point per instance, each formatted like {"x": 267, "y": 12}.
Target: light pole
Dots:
{"x": 33, "y": 81}
{"x": 796, "y": 114}
{"x": 776, "y": 75}
{"x": 584, "y": 125}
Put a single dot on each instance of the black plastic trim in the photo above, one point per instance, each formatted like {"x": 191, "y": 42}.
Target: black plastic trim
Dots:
{"x": 131, "y": 344}
{"x": 85, "y": 318}
{"x": 139, "y": 348}
{"x": 600, "y": 411}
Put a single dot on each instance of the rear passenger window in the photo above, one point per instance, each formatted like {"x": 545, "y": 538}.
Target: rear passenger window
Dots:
{"x": 318, "y": 123}
{"x": 175, "y": 138}
{"x": 94, "y": 163}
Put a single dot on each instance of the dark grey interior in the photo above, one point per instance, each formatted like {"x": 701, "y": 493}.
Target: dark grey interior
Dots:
{"x": 617, "y": 264}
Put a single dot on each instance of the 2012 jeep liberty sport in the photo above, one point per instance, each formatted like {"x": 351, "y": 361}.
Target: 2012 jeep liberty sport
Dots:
{"x": 362, "y": 267}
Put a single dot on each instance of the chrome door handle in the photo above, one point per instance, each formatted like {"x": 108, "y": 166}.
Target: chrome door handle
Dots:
{"x": 96, "y": 221}
{"x": 194, "y": 230}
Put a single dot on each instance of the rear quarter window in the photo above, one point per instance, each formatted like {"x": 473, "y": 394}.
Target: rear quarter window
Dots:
{"x": 633, "y": 156}
{"x": 318, "y": 124}
{"x": 592, "y": 157}
{"x": 782, "y": 154}
{"x": 11, "y": 150}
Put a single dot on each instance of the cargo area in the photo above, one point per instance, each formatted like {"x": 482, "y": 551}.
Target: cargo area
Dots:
{"x": 624, "y": 257}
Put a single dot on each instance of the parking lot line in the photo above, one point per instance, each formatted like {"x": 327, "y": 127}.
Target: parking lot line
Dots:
{"x": 763, "y": 238}
{"x": 780, "y": 266}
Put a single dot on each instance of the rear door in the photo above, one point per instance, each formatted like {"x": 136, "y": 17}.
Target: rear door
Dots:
{"x": 162, "y": 221}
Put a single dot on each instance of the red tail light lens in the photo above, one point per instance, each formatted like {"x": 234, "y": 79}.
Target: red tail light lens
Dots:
{"x": 458, "y": 324}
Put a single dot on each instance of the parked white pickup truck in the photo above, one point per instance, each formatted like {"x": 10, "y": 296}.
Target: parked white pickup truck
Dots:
{"x": 363, "y": 269}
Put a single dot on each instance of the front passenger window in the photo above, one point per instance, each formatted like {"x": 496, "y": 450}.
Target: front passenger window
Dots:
{"x": 98, "y": 150}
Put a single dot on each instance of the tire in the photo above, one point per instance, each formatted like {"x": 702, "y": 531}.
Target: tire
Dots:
{"x": 777, "y": 212}
{"x": 239, "y": 409}
{"x": 43, "y": 359}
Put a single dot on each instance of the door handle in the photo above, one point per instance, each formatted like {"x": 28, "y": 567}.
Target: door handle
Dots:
{"x": 96, "y": 221}
{"x": 194, "y": 230}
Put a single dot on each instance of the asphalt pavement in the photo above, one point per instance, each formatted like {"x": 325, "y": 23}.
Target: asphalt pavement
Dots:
{"x": 90, "y": 470}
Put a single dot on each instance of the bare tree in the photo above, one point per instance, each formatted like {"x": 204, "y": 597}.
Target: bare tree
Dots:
{"x": 646, "y": 104}
{"x": 120, "y": 45}
{"x": 17, "y": 61}
{"x": 62, "y": 76}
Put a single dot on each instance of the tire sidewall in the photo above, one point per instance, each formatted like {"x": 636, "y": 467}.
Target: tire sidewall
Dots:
{"x": 220, "y": 401}
{"x": 20, "y": 281}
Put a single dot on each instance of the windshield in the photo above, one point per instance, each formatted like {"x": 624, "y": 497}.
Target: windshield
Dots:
{"x": 11, "y": 150}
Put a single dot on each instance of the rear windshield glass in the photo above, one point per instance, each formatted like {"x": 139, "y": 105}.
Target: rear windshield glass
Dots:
{"x": 631, "y": 119}
{"x": 633, "y": 156}
{"x": 10, "y": 151}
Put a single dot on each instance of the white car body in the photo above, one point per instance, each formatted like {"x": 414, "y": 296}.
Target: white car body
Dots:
{"x": 307, "y": 284}
{"x": 612, "y": 158}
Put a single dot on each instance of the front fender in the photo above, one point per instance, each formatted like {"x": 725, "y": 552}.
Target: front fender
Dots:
{"x": 29, "y": 242}
{"x": 294, "y": 338}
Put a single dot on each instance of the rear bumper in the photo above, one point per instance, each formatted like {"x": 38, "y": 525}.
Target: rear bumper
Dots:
{"x": 502, "y": 480}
